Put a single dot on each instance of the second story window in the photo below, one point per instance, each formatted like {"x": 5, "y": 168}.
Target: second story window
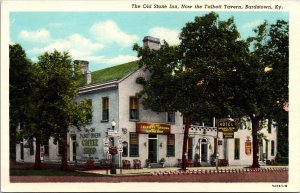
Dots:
{"x": 270, "y": 126}
{"x": 133, "y": 108}
{"x": 105, "y": 109}
{"x": 89, "y": 110}
{"x": 171, "y": 117}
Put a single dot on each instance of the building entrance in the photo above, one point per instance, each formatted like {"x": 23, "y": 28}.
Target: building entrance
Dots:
{"x": 73, "y": 148}
{"x": 204, "y": 150}
{"x": 152, "y": 148}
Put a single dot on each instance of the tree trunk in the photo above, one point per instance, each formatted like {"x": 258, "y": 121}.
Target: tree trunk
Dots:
{"x": 65, "y": 149}
{"x": 255, "y": 126}
{"x": 185, "y": 140}
{"x": 37, "y": 164}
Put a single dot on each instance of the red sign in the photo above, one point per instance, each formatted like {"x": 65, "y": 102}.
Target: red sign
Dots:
{"x": 248, "y": 147}
{"x": 156, "y": 128}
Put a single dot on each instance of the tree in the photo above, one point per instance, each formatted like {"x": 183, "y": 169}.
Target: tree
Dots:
{"x": 55, "y": 109}
{"x": 195, "y": 77}
{"x": 20, "y": 87}
{"x": 271, "y": 49}
{"x": 213, "y": 72}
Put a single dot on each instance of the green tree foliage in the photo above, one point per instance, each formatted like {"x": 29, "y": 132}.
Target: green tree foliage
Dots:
{"x": 195, "y": 77}
{"x": 57, "y": 87}
{"x": 213, "y": 73}
{"x": 20, "y": 85}
{"x": 271, "y": 50}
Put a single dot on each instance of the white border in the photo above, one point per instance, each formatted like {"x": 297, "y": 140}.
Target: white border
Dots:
{"x": 125, "y": 5}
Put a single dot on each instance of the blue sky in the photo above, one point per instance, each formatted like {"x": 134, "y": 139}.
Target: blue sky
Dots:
{"x": 106, "y": 38}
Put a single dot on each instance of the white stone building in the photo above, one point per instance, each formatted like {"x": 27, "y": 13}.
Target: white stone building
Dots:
{"x": 145, "y": 134}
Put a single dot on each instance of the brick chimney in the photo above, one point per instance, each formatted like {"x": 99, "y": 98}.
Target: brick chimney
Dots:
{"x": 151, "y": 42}
{"x": 84, "y": 69}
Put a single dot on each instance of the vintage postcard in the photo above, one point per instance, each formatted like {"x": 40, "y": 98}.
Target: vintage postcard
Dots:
{"x": 125, "y": 95}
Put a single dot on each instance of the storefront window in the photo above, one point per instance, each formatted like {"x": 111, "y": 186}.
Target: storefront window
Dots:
{"x": 133, "y": 108}
{"x": 171, "y": 145}
{"x": 134, "y": 144}
{"x": 236, "y": 148}
{"x": 105, "y": 109}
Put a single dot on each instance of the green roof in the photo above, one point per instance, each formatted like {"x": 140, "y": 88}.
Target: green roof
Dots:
{"x": 112, "y": 73}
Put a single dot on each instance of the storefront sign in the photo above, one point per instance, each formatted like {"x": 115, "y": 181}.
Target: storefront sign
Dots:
{"x": 228, "y": 127}
{"x": 227, "y": 135}
{"x": 156, "y": 128}
{"x": 248, "y": 146}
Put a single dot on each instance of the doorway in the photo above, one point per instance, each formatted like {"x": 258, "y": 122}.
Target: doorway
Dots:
{"x": 203, "y": 150}
{"x": 152, "y": 148}
{"x": 73, "y": 148}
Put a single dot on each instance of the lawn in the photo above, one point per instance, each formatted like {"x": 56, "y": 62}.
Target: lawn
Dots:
{"x": 49, "y": 172}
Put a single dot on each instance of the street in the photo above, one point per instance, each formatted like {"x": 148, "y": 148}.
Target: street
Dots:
{"x": 271, "y": 176}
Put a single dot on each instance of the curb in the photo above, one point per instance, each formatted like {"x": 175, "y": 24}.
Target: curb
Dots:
{"x": 221, "y": 171}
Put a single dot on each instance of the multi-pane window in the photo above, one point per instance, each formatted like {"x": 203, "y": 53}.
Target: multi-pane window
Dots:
{"x": 133, "y": 108}
{"x": 272, "y": 147}
{"x": 46, "y": 148}
{"x": 190, "y": 148}
{"x": 134, "y": 144}
{"x": 60, "y": 148}
{"x": 31, "y": 148}
{"x": 171, "y": 117}
{"x": 236, "y": 148}
{"x": 269, "y": 126}
{"x": 89, "y": 109}
{"x": 171, "y": 145}
{"x": 105, "y": 109}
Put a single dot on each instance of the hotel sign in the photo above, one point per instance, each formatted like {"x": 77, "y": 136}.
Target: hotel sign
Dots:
{"x": 155, "y": 128}
{"x": 228, "y": 128}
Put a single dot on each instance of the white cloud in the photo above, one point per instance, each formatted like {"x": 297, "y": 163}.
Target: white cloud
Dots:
{"x": 120, "y": 59}
{"x": 170, "y": 35}
{"x": 76, "y": 45}
{"x": 40, "y": 35}
{"x": 252, "y": 24}
{"x": 109, "y": 32}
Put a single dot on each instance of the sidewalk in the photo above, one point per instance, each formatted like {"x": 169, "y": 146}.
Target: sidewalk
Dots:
{"x": 151, "y": 171}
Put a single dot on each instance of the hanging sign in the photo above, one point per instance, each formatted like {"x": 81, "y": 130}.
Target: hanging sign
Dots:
{"x": 156, "y": 128}
{"x": 228, "y": 127}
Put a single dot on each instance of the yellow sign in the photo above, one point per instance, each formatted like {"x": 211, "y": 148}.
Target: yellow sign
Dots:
{"x": 156, "y": 128}
{"x": 228, "y": 127}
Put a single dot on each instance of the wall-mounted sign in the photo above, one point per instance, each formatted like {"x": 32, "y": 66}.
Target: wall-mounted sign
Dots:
{"x": 156, "y": 128}
{"x": 248, "y": 146}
